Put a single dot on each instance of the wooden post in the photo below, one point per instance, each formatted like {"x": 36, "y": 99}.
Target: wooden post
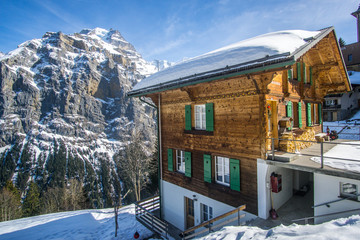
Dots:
{"x": 273, "y": 149}
{"x": 238, "y": 212}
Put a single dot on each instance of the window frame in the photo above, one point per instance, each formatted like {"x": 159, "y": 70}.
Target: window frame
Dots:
{"x": 200, "y": 117}
{"x": 207, "y": 212}
{"x": 350, "y": 196}
{"x": 182, "y": 160}
{"x": 223, "y": 173}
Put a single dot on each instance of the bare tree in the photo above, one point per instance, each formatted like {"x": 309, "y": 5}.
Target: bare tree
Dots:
{"x": 53, "y": 200}
{"x": 134, "y": 163}
{"x": 74, "y": 195}
{"x": 10, "y": 206}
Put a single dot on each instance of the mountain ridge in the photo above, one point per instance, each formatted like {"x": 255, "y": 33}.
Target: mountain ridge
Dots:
{"x": 68, "y": 92}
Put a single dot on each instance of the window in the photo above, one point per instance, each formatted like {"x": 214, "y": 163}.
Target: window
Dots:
{"x": 348, "y": 190}
{"x": 315, "y": 113}
{"x": 200, "y": 117}
{"x": 207, "y": 213}
{"x": 350, "y": 57}
{"x": 180, "y": 161}
{"x": 222, "y": 170}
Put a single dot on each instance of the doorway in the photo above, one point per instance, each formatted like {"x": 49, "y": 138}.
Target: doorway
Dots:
{"x": 189, "y": 213}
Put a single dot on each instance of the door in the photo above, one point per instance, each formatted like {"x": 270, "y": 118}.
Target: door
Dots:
{"x": 189, "y": 213}
{"x": 272, "y": 124}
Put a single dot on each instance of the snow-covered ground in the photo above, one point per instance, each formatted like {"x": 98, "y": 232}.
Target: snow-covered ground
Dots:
{"x": 85, "y": 224}
{"x": 342, "y": 228}
{"x": 99, "y": 224}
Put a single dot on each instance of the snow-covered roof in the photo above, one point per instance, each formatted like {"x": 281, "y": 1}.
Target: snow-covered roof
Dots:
{"x": 266, "y": 50}
{"x": 354, "y": 77}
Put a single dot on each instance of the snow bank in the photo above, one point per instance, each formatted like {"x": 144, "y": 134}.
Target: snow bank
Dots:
{"x": 242, "y": 52}
{"x": 343, "y": 228}
{"x": 351, "y": 151}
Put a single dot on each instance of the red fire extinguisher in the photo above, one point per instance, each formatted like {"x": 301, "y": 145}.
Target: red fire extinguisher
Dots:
{"x": 276, "y": 182}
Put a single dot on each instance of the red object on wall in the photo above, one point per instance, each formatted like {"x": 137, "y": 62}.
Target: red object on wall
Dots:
{"x": 276, "y": 182}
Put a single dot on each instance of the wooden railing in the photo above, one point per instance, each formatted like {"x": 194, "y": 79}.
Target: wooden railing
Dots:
{"x": 145, "y": 214}
{"x": 210, "y": 225}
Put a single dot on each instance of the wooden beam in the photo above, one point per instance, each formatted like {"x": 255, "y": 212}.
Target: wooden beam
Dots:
{"x": 328, "y": 65}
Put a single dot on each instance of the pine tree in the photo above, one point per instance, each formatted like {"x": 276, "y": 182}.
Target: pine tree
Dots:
{"x": 342, "y": 43}
{"x": 31, "y": 206}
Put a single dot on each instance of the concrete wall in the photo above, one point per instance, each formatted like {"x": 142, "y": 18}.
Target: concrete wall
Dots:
{"x": 327, "y": 188}
{"x": 173, "y": 205}
{"x": 263, "y": 178}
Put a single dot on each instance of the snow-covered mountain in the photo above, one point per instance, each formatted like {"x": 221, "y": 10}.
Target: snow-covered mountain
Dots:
{"x": 63, "y": 103}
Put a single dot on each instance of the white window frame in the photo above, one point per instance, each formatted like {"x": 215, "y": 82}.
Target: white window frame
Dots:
{"x": 200, "y": 117}
{"x": 222, "y": 170}
{"x": 180, "y": 161}
{"x": 349, "y": 190}
{"x": 207, "y": 213}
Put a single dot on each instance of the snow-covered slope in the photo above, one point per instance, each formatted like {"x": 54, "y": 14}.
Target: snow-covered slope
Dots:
{"x": 100, "y": 224}
{"x": 85, "y": 224}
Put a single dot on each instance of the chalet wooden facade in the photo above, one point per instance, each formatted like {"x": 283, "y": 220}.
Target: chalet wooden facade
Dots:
{"x": 215, "y": 123}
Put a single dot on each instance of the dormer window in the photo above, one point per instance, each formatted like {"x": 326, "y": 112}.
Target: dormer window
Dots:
{"x": 200, "y": 117}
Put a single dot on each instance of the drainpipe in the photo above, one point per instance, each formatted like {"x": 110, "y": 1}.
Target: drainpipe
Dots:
{"x": 159, "y": 144}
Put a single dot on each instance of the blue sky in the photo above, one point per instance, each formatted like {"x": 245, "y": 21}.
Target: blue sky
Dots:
{"x": 173, "y": 29}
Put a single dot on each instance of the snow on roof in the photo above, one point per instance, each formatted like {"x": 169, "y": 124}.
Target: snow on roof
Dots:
{"x": 354, "y": 77}
{"x": 276, "y": 45}
{"x": 334, "y": 157}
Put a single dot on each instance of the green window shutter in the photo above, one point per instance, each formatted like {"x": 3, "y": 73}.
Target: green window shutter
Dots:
{"x": 188, "y": 164}
{"x": 289, "y": 111}
{"x": 207, "y": 168}
{"x": 311, "y": 77}
{"x": 170, "y": 160}
{"x": 235, "y": 174}
{"x": 320, "y": 113}
{"x": 308, "y": 111}
{"x": 300, "y": 115}
{"x": 188, "y": 117}
{"x": 289, "y": 74}
{"x": 304, "y": 72}
{"x": 209, "y": 109}
{"x": 298, "y": 70}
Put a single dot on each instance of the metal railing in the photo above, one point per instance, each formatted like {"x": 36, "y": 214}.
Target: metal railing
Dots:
{"x": 144, "y": 213}
{"x": 306, "y": 219}
{"x": 273, "y": 150}
{"x": 209, "y": 226}
{"x": 334, "y": 201}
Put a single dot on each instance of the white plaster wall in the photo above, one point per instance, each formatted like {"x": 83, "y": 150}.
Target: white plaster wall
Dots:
{"x": 287, "y": 185}
{"x": 263, "y": 189}
{"x": 173, "y": 205}
{"x": 327, "y": 188}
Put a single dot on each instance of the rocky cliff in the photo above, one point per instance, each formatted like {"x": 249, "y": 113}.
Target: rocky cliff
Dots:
{"x": 64, "y": 97}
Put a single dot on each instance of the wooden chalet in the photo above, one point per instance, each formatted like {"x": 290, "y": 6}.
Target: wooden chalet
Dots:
{"x": 218, "y": 111}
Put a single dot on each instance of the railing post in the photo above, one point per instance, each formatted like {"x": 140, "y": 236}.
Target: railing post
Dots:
{"x": 322, "y": 154}
{"x": 272, "y": 149}
{"x": 238, "y": 212}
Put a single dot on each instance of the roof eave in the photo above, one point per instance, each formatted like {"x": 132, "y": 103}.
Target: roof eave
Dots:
{"x": 180, "y": 83}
